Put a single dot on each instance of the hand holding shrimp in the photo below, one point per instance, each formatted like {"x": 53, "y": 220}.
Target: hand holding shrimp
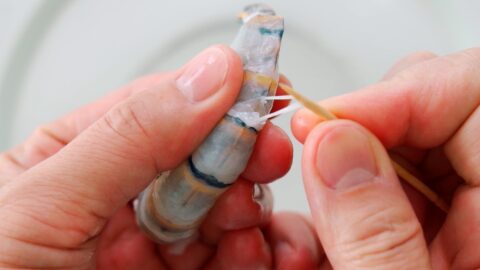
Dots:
{"x": 65, "y": 191}
{"x": 174, "y": 205}
{"x": 426, "y": 112}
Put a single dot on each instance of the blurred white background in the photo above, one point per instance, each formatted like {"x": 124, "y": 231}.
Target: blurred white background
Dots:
{"x": 57, "y": 55}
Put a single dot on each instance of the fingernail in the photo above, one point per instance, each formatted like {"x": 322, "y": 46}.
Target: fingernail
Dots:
{"x": 345, "y": 158}
{"x": 257, "y": 193}
{"x": 262, "y": 195}
{"x": 204, "y": 75}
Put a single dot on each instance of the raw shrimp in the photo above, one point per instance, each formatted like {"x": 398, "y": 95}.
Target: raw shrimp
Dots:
{"x": 175, "y": 203}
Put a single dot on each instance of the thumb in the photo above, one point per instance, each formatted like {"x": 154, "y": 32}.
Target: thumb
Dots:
{"x": 361, "y": 214}
{"x": 114, "y": 159}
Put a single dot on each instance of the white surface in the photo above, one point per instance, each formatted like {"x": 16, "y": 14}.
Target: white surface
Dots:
{"x": 57, "y": 55}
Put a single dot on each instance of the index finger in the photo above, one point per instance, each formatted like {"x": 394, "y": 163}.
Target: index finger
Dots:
{"x": 422, "y": 106}
{"x": 49, "y": 138}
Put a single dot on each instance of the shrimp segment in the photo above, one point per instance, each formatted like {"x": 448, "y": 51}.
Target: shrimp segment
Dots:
{"x": 175, "y": 203}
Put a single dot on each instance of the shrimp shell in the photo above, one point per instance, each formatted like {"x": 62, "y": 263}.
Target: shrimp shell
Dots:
{"x": 175, "y": 203}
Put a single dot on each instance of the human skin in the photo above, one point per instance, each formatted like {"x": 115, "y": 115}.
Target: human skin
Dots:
{"x": 64, "y": 199}
{"x": 426, "y": 113}
{"x": 66, "y": 192}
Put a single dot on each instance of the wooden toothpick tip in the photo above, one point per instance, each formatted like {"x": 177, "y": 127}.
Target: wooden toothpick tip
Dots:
{"x": 308, "y": 103}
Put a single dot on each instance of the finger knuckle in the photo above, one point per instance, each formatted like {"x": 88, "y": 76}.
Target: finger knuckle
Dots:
{"x": 8, "y": 159}
{"x": 383, "y": 237}
{"x": 44, "y": 141}
{"x": 128, "y": 121}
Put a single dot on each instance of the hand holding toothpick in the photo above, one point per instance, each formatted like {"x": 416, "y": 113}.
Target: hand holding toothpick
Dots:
{"x": 426, "y": 112}
{"x": 403, "y": 173}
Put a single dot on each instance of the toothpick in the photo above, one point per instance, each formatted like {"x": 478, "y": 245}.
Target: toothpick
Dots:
{"x": 402, "y": 172}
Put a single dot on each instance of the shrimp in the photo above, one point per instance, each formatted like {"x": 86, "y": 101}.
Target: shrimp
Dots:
{"x": 172, "y": 207}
